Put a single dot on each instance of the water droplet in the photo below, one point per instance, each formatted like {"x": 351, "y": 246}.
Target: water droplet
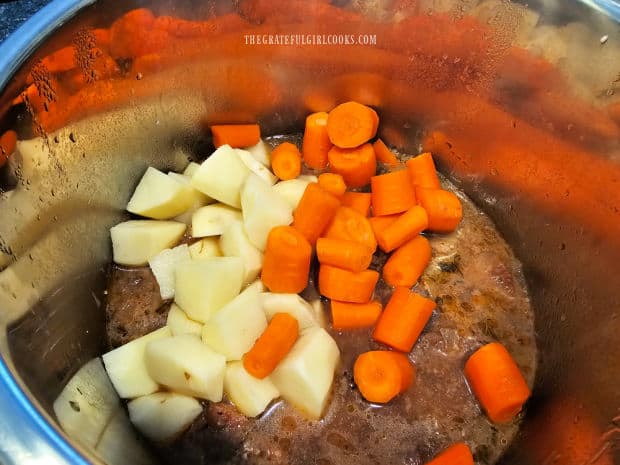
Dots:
{"x": 139, "y": 76}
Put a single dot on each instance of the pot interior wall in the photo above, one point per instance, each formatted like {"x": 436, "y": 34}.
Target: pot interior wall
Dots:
{"x": 552, "y": 190}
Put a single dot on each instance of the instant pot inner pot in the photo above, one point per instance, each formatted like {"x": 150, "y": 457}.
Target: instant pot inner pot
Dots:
{"x": 516, "y": 103}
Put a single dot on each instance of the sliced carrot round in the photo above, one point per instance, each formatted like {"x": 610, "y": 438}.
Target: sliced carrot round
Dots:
{"x": 351, "y": 124}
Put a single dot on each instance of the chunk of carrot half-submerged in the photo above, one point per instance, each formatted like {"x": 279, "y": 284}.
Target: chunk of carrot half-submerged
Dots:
{"x": 443, "y": 208}
{"x": 351, "y": 225}
{"x": 272, "y": 346}
{"x": 333, "y": 183}
{"x": 347, "y": 315}
{"x": 356, "y": 165}
{"x": 315, "y": 211}
{"x": 235, "y": 135}
{"x": 347, "y": 286}
{"x": 286, "y": 161}
{"x": 392, "y": 193}
{"x": 403, "y": 229}
{"x": 422, "y": 171}
{"x": 381, "y": 375}
{"x": 344, "y": 254}
{"x": 497, "y": 382}
{"x": 456, "y": 454}
{"x": 408, "y": 262}
{"x": 351, "y": 124}
{"x": 8, "y": 142}
{"x": 286, "y": 264}
{"x": 403, "y": 319}
{"x": 316, "y": 142}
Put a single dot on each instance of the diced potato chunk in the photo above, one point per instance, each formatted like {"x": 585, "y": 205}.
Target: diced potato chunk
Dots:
{"x": 221, "y": 176}
{"x": 87, "y": 403}
{"x": 261, "y": 153}
{"x": 187, "y": 366}
{"x": 135, "y": 242}
{"x": 164, "y": 415}
{"x": 304, "y": 377}
{"x": 235, "y": 243}
{"x": 159, "y": 196}
{"x": 233, "y": 329}
{"x": 213, "y": 220}
{"x": 179, "y": 323}
{"x": 208, "y": 247}
{"x": 205, "y": 286}
{"x": 292, "y": 304}
{"x": 126, "y": 368}
{"x": 250, "y": 395}
{"x": 120, "y": 445}
{"x": 263, "y": 209}
{"x": 190, "y": 170}
{"x": 163, "y": 265}
{"x": 291, "y": 191}
{"x": 198, "y": 198}
{"x": 257, "y": 167}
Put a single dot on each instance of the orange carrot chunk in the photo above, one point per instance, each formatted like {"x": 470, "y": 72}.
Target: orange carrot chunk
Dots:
{"x": 422, "y": 171}
{"x": 403, "y": 229}
{"x": 356, "y": 165}
{"x": 497, "y": 382}
{"x": 8, "y": 142}
{"x": 347, "y": 286}
{"x": 392, "y": 193}
{"x": 333, "y": 183}
{"x": 456, "y": 454}
{"x": 286, "y": 264}
{"x": 403, "y": 319}
{"x": 359, "y": 201}
{"x": 272, "y": 346}
{"x": 344, "y": 254}
{"x": 286, "y": 161}
{"x": 236, "y": 135}
{"x": 381, "y": 375}
{"x": 316, "y": 142}
{"x": 346, "y": 315}
{"x": 384, "y": 155}
{"x": 314, "y": 212}
{"x": 408, "y": 262}
{"x": 351, "y": 124}
{"x": 443, "y": 208}
{"x": 380, "y": 223}
{"x": 351, "y": 225}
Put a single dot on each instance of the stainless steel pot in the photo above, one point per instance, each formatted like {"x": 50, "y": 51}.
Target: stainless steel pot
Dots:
{"x": 548, "y": 72}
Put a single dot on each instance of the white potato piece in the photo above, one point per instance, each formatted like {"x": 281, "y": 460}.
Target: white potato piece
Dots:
{"x": 263, "y": 209}
{"x": 235, "y": 243}
{"x": 308, "y": 178}
{"x": 164, "y": 415}
{"x": 257, "y": 167}
{"x": 234, "y": 328}
{"x": 319, "y": 313}
{"x": 292, "y": 304}
{"x": 87, "y": 403}
{"x": 120, "y": 445}
{"x": 198, "y": 198}
{"x": 261, "y": 153}
{"x": 163, "y": 265}
{"x": 135, "y": 242}
{"x": 291, "y": 191}
{"x": 179, "y": 323}
{"x": 250, "y": 395}
{"x": 221, "y": 176}
{"x": 190, "y": 170}
{"x": 258, "y": 285}
{"x": 205, "y": 286}
{"x": 126, "y": 367}
{"x": 208, "y": 247}
{"x": 213, "y": 220}
{"x": 304, "y": 377}
{"x": 187, "y": 366}
{"x": 159, "y": 196}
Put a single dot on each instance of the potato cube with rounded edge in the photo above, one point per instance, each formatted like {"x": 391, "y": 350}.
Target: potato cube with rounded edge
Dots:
{"x": 250, "y": 395}
{"x": 159, "y": 196}
{"x": 135, "y": 242}
{"x": 205, "y": 286}
{"x": 185, "y": 365}
{"x": 163, "y": 416}
{"x": 179, "y": 323}
{"x": 163, "y": 265}
{"x": 234, "y": 242}
{"x": 213, "y": 220}
{"x": 207, "y": 247}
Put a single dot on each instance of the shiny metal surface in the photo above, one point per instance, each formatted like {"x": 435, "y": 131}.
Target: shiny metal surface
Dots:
{"x": 560, "y": 214}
